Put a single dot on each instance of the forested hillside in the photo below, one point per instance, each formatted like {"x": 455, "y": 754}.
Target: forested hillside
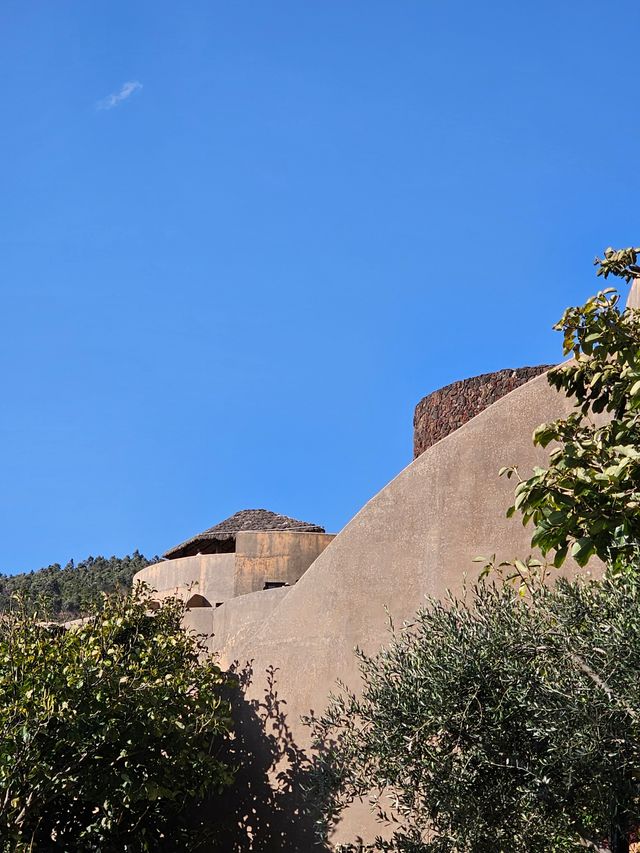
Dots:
{"x": 64, "y": 592}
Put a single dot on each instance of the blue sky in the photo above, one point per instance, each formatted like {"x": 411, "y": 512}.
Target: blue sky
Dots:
{"x": 228, "y": 283}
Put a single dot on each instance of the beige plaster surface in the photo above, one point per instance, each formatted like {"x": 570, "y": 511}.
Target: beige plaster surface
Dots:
{"x": 633, "y": 299}
{"x": 199, "y": 620}
{"x": 237, "y": 619}
{"x": 209, "y": 575}
{"x": 277, "y": 556}
{"x": 417, "y": 537}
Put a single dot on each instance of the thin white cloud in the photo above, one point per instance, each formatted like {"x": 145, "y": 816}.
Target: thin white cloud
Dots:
{"x": 127, "y": 89}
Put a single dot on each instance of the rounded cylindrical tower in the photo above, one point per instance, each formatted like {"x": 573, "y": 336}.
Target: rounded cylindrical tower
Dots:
{"x": 443, "y": 411}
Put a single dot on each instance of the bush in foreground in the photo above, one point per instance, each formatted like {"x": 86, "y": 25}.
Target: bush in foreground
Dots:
{"x": 497, "y": 724}
{"x": 108, "y": 733}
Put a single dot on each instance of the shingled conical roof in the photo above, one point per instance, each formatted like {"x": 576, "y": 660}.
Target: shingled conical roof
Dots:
{"x": 222, "y": 537}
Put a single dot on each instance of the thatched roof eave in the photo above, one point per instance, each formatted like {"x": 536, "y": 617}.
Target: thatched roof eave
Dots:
{"x": 248, "y": 520}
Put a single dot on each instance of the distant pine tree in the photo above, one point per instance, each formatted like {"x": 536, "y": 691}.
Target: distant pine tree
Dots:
{"x": 67, "y": 593}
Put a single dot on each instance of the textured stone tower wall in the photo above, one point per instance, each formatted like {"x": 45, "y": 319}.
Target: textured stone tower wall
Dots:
{"x": 447, "y": 409}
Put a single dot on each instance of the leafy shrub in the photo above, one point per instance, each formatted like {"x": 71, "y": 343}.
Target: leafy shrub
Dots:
{"x": 108, "y": 732}
{"x": 498, "y": 724}
{"x": 586, "y": 502}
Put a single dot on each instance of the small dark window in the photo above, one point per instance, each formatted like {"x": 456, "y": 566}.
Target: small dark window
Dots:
{"x": 274, "y": 584}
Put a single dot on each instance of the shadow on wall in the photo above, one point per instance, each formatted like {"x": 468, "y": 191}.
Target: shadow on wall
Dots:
{"x": 264, "y": 812}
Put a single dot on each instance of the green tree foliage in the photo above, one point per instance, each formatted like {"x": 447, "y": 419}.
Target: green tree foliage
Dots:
{"x": 70, "y": 591}
{"x": 496, "y": 724}
{"x": 108, "y": 732}
{"x": 587, "y": 501}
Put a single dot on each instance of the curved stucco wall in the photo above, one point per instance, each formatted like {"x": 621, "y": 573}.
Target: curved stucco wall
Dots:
{"x": 447, "y": 409}
{"x": 237, "y": 619}
{"x": 418, "y": 536}
{"x": 209, "y": 575}
{"x": 276, "y": 556}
